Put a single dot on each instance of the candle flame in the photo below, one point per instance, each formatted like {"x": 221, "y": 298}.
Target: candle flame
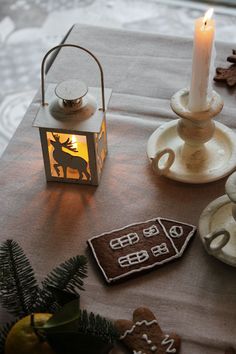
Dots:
{"x": 208, "y": 15}
{"x": 74, "y": 141}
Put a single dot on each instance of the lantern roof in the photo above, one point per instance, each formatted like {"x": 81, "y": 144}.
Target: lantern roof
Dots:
{"x": 72, "y": 122}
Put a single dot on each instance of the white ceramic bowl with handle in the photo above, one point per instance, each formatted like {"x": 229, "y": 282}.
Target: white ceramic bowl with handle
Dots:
{"x": 217, "y": 225}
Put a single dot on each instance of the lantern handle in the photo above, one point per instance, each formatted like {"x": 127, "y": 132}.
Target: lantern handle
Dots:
{"x": 78, "y": 47}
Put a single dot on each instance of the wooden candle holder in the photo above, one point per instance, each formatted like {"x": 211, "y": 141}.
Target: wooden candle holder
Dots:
{"x": 194, "y": 148}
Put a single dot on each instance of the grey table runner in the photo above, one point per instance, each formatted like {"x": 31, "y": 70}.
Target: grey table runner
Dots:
{"x": 195, "y": 296}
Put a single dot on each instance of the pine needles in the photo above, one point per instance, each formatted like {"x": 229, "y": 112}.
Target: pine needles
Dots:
{"x": 85, "y": 333}
{"x": 68, "y": 276}
{"x": 21, "y": 296}
{"x": 96, "y": 326}
{"x": 18, "y": 286}
{"x": 19, "y": 291}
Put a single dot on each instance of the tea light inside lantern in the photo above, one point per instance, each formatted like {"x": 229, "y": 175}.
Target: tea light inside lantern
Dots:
{"x": 74, "y": 141}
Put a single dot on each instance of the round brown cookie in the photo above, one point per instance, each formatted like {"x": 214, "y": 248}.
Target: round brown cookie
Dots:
{"x": 143, "y": 335}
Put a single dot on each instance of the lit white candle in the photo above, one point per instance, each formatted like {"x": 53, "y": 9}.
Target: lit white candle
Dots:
{"x": 202, "y": 52}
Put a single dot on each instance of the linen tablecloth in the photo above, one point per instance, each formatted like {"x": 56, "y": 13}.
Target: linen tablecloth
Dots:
{"x": 194, "y": 296}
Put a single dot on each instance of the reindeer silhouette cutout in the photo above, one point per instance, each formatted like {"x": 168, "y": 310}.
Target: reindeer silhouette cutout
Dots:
{"x": 65, "y": 160}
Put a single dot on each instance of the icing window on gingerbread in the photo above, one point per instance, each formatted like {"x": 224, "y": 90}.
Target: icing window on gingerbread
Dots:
{"x": 176, "y": 231}
{"x": 133, "y": 258}
{"x": 151, "y": 231}
{"x": 160, "y": 249}
{"x": 123, "y": 241}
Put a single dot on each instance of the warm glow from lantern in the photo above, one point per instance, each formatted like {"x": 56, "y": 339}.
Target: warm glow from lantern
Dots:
{"x": 208, "y": 15}
{"x": 101, "y": 146}
{"x": 74, "y": 141}
{"x": 79, "y": 143}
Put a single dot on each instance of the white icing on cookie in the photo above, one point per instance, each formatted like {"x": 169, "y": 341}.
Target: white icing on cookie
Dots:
{"x": 145, "y": 337}
{"x": 176, "y": 231}
{"x": 151, "y": 231}
{"x": 139, "y": 352}
{"x": 170, "y": 342}
{"x": 123, "y": 241}
{"x": 130, "y": 331}
{"x": 133, "y": 258}
{"x": 158, "y": 250}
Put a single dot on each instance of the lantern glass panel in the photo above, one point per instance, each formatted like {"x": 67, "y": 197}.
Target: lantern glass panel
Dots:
{"x": 101, "y": 146}
{"x": 68, "y": 156}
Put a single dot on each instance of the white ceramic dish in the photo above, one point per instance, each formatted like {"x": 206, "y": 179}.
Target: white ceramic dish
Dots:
{"x": 219, "y": 161}
{"x": 217, "y": 229}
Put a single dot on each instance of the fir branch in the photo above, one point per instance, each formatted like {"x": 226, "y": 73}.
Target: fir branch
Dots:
{"x": 4, "y": 333}
{"x": 86, "y": 333}
{"x": 68, "y": 276}
{"x": 18, "y": 286}
{"x": 97, "y": 326}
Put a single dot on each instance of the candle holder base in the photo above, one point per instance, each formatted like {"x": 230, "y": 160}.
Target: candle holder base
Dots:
{"x": 193, "y": 149}
{"x": 217, "y": 225}
{"x": 212, "y": 161}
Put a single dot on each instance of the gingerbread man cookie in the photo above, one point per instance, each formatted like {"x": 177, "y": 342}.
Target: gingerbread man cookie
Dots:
{"x": 143, "y": 335}
{"x": 232, "y": 58}
{"x": 228, "y": 74}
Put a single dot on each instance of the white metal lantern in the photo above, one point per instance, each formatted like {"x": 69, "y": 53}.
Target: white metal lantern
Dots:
{"x": 72, "y": 127}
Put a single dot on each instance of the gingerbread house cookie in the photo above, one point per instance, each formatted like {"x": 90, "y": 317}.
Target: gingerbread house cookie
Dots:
{"x": 139, "y": 247}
